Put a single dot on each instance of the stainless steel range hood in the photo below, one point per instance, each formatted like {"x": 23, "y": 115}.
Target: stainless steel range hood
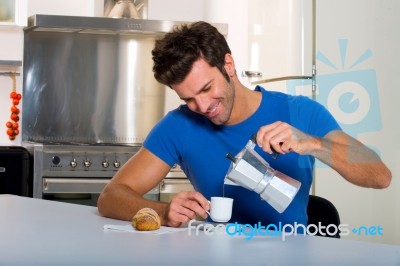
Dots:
{"x": 104, "y": 25}
{"x": 89, "y": 80}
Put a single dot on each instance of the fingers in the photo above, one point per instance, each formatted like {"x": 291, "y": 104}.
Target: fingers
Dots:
{"x": 275, "y": 138}
{"x": 283, "y": 138}
{"x": 185, "y": 206}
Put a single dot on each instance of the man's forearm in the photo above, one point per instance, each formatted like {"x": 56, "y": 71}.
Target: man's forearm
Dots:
{"x": 120, "y": 202}
{"x": 354, "y": 161}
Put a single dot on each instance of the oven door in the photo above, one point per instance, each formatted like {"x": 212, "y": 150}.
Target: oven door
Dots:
{"x": 169, "y": 187}
{"x": 83, "y": 191}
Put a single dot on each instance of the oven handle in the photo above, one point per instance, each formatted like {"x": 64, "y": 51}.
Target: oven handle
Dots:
{"x": 79, "y": 185}
{"x": 73, "y": 185}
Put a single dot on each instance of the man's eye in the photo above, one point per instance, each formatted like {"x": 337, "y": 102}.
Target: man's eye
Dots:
{"x": 206, "y": 89}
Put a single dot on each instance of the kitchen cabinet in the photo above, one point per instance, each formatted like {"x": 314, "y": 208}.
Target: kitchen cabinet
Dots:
{"x": 280, "y": 38}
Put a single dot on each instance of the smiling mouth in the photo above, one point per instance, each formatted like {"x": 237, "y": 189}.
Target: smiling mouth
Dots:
{"x": 214, "y": 111}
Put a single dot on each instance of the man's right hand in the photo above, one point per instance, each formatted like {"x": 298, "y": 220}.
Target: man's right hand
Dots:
{"x": 184, "y": 206}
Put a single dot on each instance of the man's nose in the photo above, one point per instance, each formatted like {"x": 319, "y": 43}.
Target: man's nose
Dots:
{"x": 202, "y": 103}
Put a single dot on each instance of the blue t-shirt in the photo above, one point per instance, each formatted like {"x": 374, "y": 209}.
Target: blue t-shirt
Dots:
{"x": 199, "y": 147}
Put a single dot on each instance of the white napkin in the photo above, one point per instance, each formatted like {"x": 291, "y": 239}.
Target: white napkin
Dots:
{"x": 130, "y": 228}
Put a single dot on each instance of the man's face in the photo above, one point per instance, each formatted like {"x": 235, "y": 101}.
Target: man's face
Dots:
{"x": 207, "y": 92}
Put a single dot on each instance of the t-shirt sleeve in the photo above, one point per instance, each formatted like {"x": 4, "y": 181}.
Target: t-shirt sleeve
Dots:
{"x": 162, "y": 139}
{"x": 316, "y": 119}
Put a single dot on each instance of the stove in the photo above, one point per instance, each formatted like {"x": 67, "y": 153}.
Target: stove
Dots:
{"x": 79, "y": 173}
{"x": 81, "y": 160}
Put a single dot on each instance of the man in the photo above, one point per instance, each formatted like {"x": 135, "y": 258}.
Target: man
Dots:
{"x": 220, "y": 115}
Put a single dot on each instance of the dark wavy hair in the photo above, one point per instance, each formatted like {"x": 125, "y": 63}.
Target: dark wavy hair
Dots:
{"x": 175, "y": 53}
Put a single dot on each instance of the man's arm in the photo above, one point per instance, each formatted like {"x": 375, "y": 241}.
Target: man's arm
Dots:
{"x": 123, "y": 195}
{"x": 352, "y": 160}
{"x": 349, "y": 157}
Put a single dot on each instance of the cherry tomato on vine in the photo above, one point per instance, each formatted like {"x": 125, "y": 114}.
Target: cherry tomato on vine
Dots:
{"x": 10, "y": 132}
{"x": 12, "y": 126}
{"x": 14, "y": 109}
{"x": 14, "y": 117}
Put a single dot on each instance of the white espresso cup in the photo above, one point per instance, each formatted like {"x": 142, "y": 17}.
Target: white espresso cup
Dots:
{"x": 220, "y": 209}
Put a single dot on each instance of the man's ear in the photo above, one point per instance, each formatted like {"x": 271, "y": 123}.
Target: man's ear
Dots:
{"x": 229, "y": 65}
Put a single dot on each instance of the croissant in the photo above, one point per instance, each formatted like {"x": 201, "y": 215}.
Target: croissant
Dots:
{"x": 146, "y": 219}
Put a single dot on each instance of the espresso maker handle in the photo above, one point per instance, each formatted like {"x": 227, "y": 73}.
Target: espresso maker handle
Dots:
{"x": 275, "y": 154}
{"x": 253, "y": 138}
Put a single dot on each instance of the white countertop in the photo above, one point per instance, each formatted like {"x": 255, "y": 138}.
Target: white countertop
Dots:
{"x": 41, "y": 232}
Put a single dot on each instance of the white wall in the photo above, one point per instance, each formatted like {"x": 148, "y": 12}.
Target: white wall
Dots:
{"x": 11, "y": 48}
{"x": 366, "y": 25}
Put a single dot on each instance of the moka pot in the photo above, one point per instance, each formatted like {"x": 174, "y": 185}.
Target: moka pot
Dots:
{"x": 249, "y": 170}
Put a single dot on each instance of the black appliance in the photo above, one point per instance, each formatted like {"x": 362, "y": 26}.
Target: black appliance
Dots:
{"x": 16, "y": 171}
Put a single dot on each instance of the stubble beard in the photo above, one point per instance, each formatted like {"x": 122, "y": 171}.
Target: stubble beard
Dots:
{"x": 227, "y": 104}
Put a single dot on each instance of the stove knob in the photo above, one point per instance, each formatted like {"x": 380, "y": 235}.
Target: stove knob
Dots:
{"x": 73, "y": 163}
{"x": 105, "y": 164}
{"x": 117, "y": 164}
{"x": 55, "y": 160}
{"x": 87, "y": 163}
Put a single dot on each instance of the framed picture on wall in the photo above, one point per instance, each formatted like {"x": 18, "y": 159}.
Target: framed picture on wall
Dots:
{"x": 13, "y": 12}
{"x": 8, "y": 12}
